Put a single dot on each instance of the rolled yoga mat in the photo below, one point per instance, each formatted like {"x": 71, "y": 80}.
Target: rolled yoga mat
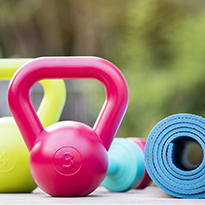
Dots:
{"x": 166, "y": 157}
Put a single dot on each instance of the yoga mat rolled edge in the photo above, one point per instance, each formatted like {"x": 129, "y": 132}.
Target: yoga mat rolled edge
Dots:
{"x": 162, "y": 155}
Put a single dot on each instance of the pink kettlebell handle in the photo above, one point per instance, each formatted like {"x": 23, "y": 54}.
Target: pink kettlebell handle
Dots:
{"x": 111, "y": 114}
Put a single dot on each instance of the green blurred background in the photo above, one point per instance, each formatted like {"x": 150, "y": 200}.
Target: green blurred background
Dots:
{"x": 159, "y": 46}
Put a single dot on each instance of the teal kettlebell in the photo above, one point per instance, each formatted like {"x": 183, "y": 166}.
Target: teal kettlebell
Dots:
{"x": 15, "y": 174}
{"x": 125, "y": 166}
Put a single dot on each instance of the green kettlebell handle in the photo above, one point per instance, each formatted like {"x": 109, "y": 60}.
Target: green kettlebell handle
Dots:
{"x": 54, "y": 91}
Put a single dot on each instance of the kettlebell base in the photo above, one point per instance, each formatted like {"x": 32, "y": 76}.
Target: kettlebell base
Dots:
{"x": 72, "y": 166}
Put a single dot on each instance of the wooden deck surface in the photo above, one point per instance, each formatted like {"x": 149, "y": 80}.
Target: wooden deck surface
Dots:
{"x": 149, "y": 195}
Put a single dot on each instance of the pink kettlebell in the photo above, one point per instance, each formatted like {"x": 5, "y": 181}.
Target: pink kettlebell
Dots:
{"x": 68, "y": 158}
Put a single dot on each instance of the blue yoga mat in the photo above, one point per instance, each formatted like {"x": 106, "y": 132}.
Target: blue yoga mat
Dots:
{"x": 166, "y": 155}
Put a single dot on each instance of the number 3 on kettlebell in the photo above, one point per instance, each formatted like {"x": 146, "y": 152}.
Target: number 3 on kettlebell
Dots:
{"x": 68, "y": 158}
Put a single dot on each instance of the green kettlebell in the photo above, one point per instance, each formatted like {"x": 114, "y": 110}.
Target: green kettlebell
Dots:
{"x": 15, "y": 176}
